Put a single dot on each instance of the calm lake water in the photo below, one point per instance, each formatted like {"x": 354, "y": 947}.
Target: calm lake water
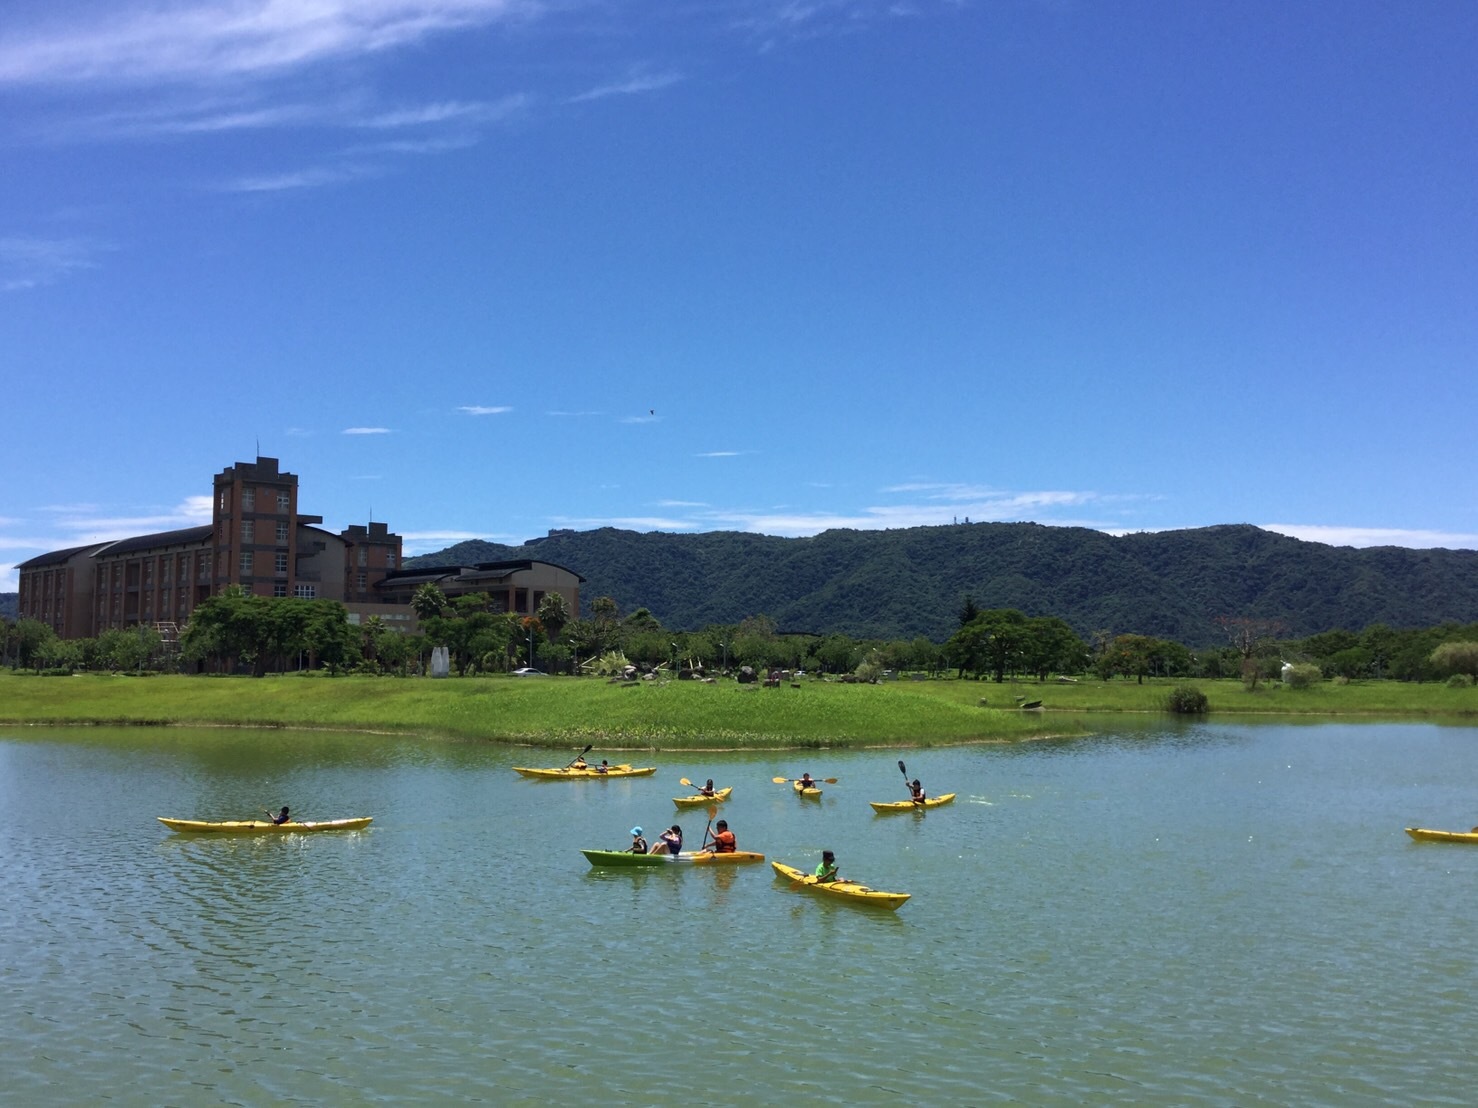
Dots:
{"x": 1216, "y": 914}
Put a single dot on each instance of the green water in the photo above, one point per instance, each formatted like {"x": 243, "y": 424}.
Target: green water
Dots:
{"x": 1215, "y": 914}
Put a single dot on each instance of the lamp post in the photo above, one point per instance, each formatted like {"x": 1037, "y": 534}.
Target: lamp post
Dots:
{"x": 531, "y": 646}
{"x": 674, "y": 659}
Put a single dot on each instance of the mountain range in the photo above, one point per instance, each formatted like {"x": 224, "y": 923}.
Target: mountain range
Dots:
{"x": 909, "y": 582}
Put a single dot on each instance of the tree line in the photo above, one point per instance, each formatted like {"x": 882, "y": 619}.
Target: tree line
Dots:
{"x": 233, "y": 632}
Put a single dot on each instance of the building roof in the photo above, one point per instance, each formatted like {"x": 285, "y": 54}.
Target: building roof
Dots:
{"x": 186, "y": 536}
{"x": 481, "y": 573}
{"x": 56, "y": 557}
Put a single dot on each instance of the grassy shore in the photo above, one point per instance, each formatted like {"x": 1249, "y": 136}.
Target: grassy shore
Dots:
{"x": 672, "y": 715}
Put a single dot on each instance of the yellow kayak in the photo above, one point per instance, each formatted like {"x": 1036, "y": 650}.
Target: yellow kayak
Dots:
{"x": 846, "y": 890}
{"x": 1424, "y": 835}
{"x": 718, "y": 796}
{"x": 566, "y": 773}
{"x": 810, "y": 793}
{"x": 883, "y": 807}
{"x": 262, "y": 826}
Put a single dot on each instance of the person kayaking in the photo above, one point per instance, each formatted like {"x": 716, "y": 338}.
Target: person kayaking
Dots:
{"x": 917, "y": 791}
{"x": 638, "y": 844}
{"x": 708, "y": 789}
{"x": 670, "y": 841}
{"x": 579, "y": 763}
{"x": 826, "y": 872}
{"x": 281, "y": 817}
{"x": 604, "y": 767}
{"x": 806, "y": 781}
{"x": 723, "y": 839}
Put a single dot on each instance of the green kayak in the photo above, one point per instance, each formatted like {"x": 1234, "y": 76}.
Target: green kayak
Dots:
{"x": 694, "y": 857}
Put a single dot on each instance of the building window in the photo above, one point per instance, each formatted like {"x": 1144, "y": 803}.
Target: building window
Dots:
{"x": 279, "y": 589}
{"x": 364, "y": 556}
{"x": 359, "y": 580}
{"x": 390, "y": 560}
{"x": 281, "y": 532}
{"x": 248, "y": 500}
{"x": 248, "y": 531}
{"x": 279, "y": 562}
{"x": 246, "y": 563}
{"x": 305, "y": 592}
{"x": 284, "y": 502}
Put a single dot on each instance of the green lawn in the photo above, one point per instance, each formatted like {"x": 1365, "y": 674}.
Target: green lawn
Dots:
{"x": 564, "y": 712}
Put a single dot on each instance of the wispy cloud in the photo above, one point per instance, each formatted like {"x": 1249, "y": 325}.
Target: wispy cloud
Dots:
{"x": 650, "y": 417}
{"x": 311, "y": 178}
{"x": 479, "y": 409}
{"x": 455, "y": 111}
{"x": 28, "y": 263}
{"x": 721, "y": 454}
{"x": 210, "y": 41}
{"x": 1375, "y": 536}
{"x": 636, "y": 83}
{"x": 366, "y": 431}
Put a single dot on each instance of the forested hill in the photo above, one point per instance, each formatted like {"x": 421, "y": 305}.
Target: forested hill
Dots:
{"x": 909, "y": 582}
{"x": 9, "y": 604}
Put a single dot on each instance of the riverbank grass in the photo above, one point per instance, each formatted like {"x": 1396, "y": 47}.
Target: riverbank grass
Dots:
{"x": 675, "y": 715}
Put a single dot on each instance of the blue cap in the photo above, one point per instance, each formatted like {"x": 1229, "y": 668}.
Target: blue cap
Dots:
{"x": 636, "y": 830}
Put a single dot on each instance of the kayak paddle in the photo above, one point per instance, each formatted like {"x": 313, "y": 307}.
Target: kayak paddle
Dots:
{"x": 792, "y": 780}
{"x": 580, "y": 755}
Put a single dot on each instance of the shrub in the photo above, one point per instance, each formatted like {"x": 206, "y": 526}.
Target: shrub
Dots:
{"x": 1302, "y": 675}
{"x": 1459, "y": 681}
{"x": 1186, "y": 700}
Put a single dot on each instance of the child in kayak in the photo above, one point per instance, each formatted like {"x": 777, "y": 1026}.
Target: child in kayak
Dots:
{"x": 281, "y": 817}
{"x": 723, "y": 839}
{"x": 806, "y": 781}
{"x": 917, "y": 791}
{"x": 604, "y": 767}
{"x": 638, "y": 844}
{"x": 826, "y": 872}
{"x": 708, "y": 789}
{"x": 671, "y": 841}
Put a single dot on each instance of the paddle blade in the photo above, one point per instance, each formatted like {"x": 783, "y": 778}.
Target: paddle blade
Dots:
{"x": 902, "y": 768}
{"x": 685, "y": 781}
{"x": 830, "y": 780}
{"x": 781, "y": 780}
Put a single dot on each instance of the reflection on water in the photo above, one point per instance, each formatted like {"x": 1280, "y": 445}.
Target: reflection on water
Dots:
{"x": 1218, "y": 913}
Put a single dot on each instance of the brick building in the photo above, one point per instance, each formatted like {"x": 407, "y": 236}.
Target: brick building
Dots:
{"x": 258, "y": 539}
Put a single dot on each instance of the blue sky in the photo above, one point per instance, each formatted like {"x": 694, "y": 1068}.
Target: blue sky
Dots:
{"x": 482, "y": 268}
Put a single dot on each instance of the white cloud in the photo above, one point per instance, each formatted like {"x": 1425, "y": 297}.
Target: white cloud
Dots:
{"x": 458, "y": 111}
{"x": 207, "y": 41}
{"x": 637, "y": 83}
{"x": 366, "y": 431}
{"x": 1374, "y": 536}
{"x": 479, "y": 410}
{"x": 652, "y": 417}
{"x": 312, "y": 178}
{"x": 720, "y": 454}
{"x": 27, "y": 262}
